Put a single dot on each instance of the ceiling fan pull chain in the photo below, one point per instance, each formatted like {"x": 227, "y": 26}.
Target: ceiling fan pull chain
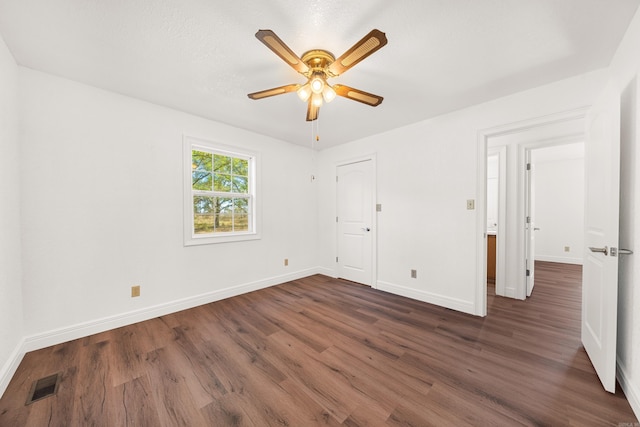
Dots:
{"x": 312, "y": 138}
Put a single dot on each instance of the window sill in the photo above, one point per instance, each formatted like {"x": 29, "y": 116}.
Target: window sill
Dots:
{"x": 211, "y": 240}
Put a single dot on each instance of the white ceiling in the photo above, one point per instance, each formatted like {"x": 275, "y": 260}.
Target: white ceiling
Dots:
{"x": 201, "y": 56}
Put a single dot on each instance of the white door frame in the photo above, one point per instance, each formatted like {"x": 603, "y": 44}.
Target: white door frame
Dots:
{"x": 374, "y": 218}
{"x": 483, "y": 138}
{"x": 501, "y": 152}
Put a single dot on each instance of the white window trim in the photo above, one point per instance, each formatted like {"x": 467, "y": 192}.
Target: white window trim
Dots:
{"x": 190, "y": 238}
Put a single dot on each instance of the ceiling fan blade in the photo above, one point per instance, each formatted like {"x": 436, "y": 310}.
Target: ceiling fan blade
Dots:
{"x": 272, "y": 92}
{"x": 369, "y": 44}
{"x": 312, "y": 111}
{"x": 273, "y": 42}
{"x": 358, "y": 95}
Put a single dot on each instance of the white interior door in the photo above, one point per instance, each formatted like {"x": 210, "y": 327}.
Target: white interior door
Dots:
{"x": 530, "y": 235}
{"x": 600, "y": 269}
{"x": 356, "y": 207}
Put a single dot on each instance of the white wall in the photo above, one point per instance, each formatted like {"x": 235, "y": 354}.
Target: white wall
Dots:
{"x": 559, "y": 204}
{"x": 426, "y": 172}
{"x": 11, "y": 321}
{"x": 624, "y": 73}
{"x": 102, "y": 210}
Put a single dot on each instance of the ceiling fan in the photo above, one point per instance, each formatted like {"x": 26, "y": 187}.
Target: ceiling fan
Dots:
{"x": 319, "y": 65}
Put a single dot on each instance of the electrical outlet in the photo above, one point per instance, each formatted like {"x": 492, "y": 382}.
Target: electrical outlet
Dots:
{"x": 414, "y": 274}
{"x": 567, "y": 248}
{"x": 471, "y": 204}
{"x": 286, "y": 262}
{"x": 135, "y": 291}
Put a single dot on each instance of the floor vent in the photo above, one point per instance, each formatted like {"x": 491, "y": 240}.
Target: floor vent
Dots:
{"x": 44, "y": 387}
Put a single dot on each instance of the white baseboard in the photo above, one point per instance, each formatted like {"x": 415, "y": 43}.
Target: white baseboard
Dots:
{"x": 560, "y": 259}
{"x": 630, "y": 389}
{"x": 510, "y": 293}
{"x": 80, "y": 330}
{"x": 326, "y": 272}
{"x": 431, "y": 298}
{"x": 11, "y": 366}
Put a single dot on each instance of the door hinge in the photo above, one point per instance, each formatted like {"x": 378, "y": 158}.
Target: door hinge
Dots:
{"x": 528, "y": 220}
{"x": 336, "y": 219}
{"x": 336, "y": 259}
{"x": 336, "y": 178}
{"x": 528, "y": 166}
{"x": 528, "y": 272}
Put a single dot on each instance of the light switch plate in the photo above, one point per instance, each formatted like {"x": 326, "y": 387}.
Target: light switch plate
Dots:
{"x": 471, "y": 204}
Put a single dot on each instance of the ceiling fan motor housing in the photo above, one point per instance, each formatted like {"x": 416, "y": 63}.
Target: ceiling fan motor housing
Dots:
{"x": 318, "y": 61}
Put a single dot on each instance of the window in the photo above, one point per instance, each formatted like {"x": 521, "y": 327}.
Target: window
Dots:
{"x": 220, "y": 193}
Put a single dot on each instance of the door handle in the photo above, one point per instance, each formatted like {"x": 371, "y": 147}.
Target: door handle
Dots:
{"x": 604, "y": 250}
{"x": 536, "y": 228}
{"x": 616, "y": 252}
{"x": 366, "y": 229}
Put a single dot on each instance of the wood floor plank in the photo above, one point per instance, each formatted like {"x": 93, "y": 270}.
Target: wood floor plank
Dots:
{"x": 136, "y": 405}
{"x": 94, "y": 382}
{"x": 173, "y": 401}
{"x": 201, "y": 378}
{"x": 320, "y": 351}
{"x": 314, "y": 378}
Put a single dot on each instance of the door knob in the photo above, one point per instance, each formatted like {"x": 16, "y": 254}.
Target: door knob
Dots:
{"x": 366, "y": 229}
{"x": 604, "y": 250}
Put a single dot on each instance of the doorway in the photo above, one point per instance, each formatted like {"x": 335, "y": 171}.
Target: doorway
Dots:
{"x": 601, "y": 124}
{"x": 514, "y": 140}
{"x": 496, "y": 162}
{"x": 555, "y": 206}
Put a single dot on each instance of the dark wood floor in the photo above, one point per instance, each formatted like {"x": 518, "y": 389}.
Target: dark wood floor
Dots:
{"x": 320, "y": 351}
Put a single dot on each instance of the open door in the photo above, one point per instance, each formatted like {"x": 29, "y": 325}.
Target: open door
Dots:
{"x": 530, "y": 235}
{"x": 600, "y": 269}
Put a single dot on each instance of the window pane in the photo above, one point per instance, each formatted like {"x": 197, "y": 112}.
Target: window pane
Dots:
{"x": 241, "y": 215}
{"x": 221, "y": 164}
{"x": 222, "y": 182}
{"x": 240, "y": 184}
{"x": 224, "y": 217}
{"x": 240, "y": 167}
{"x": 201, "y": 161}
{"x": 201, "y": 180}
{"x": 222, "y": 197}
{"x": 203, "y": 215}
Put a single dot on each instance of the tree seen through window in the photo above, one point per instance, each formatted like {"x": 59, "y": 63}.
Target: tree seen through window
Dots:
{"x": 221, "y": 196}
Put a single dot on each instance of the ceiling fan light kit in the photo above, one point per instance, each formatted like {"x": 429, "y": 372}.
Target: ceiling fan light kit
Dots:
{"x": 319, "y": 65}
{"x": 304, "y": 92}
